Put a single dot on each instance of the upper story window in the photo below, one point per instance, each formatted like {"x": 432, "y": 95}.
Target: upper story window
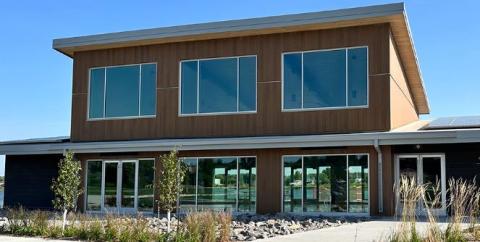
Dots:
{"x": 122, "y": 91}
{"x": 218, "y": 86}
{"x": 325, "y": 79}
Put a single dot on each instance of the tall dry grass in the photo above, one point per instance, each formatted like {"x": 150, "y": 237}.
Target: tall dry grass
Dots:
{"x": 207, "y": 226}
{"x": 464, "y": 206}
{"x": 431, "y": 202}
{"x": 410, "y": 193}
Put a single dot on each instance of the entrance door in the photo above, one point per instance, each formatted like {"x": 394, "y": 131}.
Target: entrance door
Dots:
{"x": 428, "y": 169}
{"x": 119, "y": 186}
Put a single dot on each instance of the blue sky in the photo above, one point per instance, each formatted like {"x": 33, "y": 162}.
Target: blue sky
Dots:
{"x": 35, "y": 80}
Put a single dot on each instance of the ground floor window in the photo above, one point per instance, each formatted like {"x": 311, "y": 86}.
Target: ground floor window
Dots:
{"x": 219, "y": 183}
{"x": 325, "y": 183}
{"x": 120, "y": 185}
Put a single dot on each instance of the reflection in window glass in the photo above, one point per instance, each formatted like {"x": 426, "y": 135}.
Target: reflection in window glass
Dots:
{"x": 292, "y": 184}
{"x": 97, "y": 93}
{"x": 324, "y": 187}
{"x": 357, "y": 77}
{"x": 128, "y": 185}
{"x": 247, "y": 83}
{"x": 189, "y": 87}
{"x": 121, "y": 96}
{"x": 122, "y": 91}
{"x": 247, "y": 184}
{"x": 217, "y": 179}
{"x": 292, "y": 81}
{"x": 211, "y": 183}
{"x": 146, "y": 172}
{"x": 187, "y": 199}
{"x": 432, "y": 173}
{"x": 339, "y": 182}
{"x": 220, "y": 85}
{"x": 324, "y": 79}
{"x": 317, "y": 184}
{"x": 148, "y": 97}
{"x": 94, "y": 183}
{"x": 110, "y": 190}
{"x": 358, "y": 183}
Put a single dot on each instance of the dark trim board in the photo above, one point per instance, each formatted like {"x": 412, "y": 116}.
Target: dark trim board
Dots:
{"x": 28, "y": 179}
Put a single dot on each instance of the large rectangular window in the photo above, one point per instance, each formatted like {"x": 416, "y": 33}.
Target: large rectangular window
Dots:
{"x": 220, "y": 85}
{"x": 325, "y": 79}
{"x": 220, "y": 184}
{"x": 325, "y": 183}
{"x": 122, "y": 91}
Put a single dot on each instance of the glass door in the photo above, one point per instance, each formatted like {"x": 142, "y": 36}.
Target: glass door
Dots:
{"x": 119, "y": 186}
{"x": 110, "y": 181}
{"x": 128, "y": 193}
{"x": 426, "y": 169}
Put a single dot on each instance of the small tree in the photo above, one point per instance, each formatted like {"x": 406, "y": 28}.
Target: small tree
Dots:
{"x": 66, "y": 187}
{"x": 169, "y": 183}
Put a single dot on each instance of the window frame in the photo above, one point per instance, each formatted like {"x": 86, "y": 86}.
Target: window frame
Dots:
{"x": 282, "y": 104}
{"x": 180, "y": 114}
{"x": 347, "y": 213}
{"x": 237, "y": 198}
{"x": 139, "y": 116}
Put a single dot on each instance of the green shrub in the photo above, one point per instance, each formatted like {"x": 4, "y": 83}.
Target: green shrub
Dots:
{"x": 18, "y": 221}
{"x": 95, "y": 230}
{"x": 54, "y": 232}
{"x": 111, "y": 228}
{"x": 38, "y": 221}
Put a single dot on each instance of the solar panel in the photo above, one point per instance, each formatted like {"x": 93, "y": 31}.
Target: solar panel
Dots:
{"x": 455, "y": 122}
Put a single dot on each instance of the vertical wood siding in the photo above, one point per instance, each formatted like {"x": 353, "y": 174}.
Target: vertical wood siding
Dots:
{"x": 269, "y": 120}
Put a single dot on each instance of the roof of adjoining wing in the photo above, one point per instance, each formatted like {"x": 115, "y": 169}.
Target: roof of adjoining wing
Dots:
{"x": 388, "y": 13}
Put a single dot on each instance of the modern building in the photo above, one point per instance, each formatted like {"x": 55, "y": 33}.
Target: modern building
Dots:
{"x": 306, "y": 113}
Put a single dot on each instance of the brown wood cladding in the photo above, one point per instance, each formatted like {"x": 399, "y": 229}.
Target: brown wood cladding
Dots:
{"x": 269, "y": 171}
{"x": 269, "y": 120}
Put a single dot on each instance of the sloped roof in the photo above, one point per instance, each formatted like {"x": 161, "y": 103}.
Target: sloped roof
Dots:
{"x": 394, "y": 14}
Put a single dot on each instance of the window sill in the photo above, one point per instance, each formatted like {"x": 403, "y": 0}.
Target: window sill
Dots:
{"x": 122, "y": 118}
{"x": 217, "y": 114}
{"x": 323, "y": 109}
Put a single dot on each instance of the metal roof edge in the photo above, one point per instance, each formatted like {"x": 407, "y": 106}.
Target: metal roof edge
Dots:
{"x": 233, "y": 25}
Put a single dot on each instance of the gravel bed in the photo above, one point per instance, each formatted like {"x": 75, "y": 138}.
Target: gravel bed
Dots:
{"x": 248, "y": 227}
{"x": 251, "y": 227}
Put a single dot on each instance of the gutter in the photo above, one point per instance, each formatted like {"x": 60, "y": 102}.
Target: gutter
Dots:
{"x": 380, "y": 175}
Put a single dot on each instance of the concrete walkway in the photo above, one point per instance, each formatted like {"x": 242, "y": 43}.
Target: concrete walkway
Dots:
{"x": 27, "y": 239}
{"x": 359, "y": 232}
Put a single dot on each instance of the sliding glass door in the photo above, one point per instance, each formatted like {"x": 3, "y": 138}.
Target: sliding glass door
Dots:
{"x": 121, "y": 186}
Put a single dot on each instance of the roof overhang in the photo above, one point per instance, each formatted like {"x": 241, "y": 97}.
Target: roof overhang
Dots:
{"x": 394, "y": 14}
{"x": 266, "y": 142}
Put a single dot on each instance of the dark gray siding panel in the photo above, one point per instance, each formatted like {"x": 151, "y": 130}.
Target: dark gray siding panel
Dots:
{"x": 28, "y": 179}
{"x": 461, "y": 160}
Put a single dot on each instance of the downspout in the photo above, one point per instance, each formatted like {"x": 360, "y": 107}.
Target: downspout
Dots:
{"x": 380, "y": 175}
